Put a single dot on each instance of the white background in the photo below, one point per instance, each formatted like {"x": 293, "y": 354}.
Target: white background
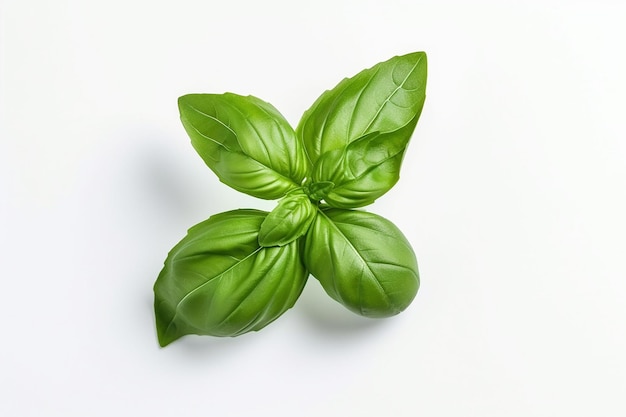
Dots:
{"x": 512, "y": 194}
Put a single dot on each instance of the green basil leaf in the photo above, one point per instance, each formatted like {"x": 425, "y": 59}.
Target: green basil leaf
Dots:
{"x": 363, "y": 261}
{"x": 218, "y": 280}
{"x": 385, "y": 98}
{"x": 246, "y": 142}
{"x": 362, "y": 171}
{"x": 288, "y": 221}
{"x": 317, "y": 190}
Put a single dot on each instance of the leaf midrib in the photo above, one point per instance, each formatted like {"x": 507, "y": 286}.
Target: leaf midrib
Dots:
{"x": 177, "y": 307}
{"x": 371, "y": 273}
{"x": 240, "y": 151}
{"x": 382, "y": 106}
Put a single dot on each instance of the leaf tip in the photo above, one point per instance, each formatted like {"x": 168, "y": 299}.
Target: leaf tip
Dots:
{"x": 418, "y": 54}
{"x": 167, "y": 331}
{"x": 167, "y": 334}
{"x": 418, "y": 58}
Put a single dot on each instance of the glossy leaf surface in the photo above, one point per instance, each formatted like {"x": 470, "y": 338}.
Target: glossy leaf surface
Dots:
{"x": 363, "y": 170}
{"x": 363, "y": 261}
{"x": 385, "y": 98}
{"x": 245, "y": 141}
{"x": 318, "y": 190}
{"x": 218, "y": 280}
{"x": 288, "y": 221}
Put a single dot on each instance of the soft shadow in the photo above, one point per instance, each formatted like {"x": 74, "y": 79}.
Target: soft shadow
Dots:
{"x": 171, "y": 183}
{"x": 166, "y": 179}
{"x": 197, "y": 347}
{"x": 327, "y": 317}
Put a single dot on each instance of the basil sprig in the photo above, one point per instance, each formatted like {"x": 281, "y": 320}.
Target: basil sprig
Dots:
{"x": 240, "y": 270}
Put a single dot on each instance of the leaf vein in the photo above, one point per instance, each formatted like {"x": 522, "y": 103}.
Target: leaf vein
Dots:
{"x": 365, "y": 266}
{"x": 209, "y": 279}
{"x": 390, "y": 96}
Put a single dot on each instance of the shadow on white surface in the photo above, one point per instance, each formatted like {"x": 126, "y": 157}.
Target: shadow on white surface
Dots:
{"x": 327, "y": 318}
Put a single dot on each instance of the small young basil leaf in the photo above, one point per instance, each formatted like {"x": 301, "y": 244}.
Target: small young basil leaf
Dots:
{"x": 363, "y": 261}
{"x": 318, "y": 190}
{"x": 363, "y": 170}
{"x": 218, "y": 280}
{"x": 384, "y": 98}
{"x": 288, "y": 221}
{"x": 246, "y": 142}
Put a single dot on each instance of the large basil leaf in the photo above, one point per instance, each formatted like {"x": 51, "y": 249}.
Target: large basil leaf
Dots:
{"x": 288, "y": 221}
{"x": 363, "y": 261}
{"x": 218, "y": 280}
{"x": 363, "y": 170}
{"x": 384, "y": 98}
{"x": 245, "y": 141}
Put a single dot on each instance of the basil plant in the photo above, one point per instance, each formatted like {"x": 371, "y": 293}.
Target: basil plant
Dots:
{"x": 240, "y": 270}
